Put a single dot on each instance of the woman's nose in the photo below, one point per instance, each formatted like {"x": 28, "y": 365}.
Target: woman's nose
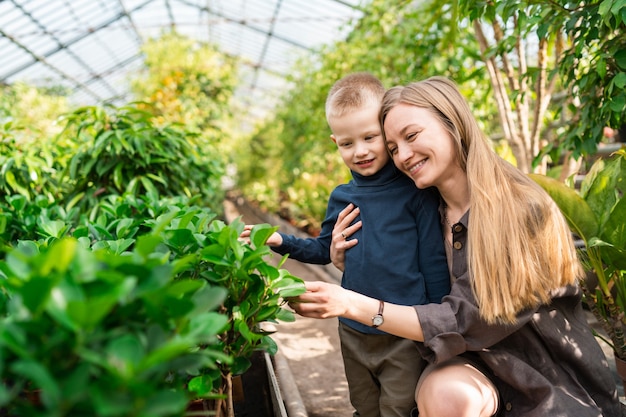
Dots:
{"x": 404, "y": 153}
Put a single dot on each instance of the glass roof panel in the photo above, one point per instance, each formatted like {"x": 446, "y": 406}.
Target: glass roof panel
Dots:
{"x": 92, "y": 46}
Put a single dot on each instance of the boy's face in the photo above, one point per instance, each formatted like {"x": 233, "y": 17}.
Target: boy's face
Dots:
{"x": 359, "y": 140}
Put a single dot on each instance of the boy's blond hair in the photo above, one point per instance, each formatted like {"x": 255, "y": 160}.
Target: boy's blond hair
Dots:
{"x": 353, "y": 92}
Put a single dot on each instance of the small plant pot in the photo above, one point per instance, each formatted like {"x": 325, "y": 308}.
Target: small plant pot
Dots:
{"x": 261, "y": 392}
{"x": 256, "y": 393}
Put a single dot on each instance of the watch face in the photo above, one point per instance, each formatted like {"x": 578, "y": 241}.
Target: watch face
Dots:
{"x": 377, "y": 320}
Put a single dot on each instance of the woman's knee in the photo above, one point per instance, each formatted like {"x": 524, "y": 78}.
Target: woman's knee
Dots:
{"x": 457, "y": 390}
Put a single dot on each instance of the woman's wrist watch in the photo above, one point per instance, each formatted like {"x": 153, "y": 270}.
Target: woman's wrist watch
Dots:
{"x": 378, "y": 319}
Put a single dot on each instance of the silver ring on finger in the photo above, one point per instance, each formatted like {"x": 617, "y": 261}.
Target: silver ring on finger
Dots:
{"x": 344, "y": 236}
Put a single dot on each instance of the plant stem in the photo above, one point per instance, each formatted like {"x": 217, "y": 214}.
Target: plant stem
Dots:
{"x": 229, "y": 387}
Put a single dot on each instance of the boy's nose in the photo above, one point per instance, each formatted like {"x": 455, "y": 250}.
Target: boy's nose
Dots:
{"x": 362, "y": 149}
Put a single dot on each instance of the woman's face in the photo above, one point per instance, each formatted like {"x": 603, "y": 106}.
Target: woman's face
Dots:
{"x": 420, "y": 145}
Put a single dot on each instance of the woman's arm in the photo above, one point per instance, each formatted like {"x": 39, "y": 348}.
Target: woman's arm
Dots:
{"x": 323, "y": 300}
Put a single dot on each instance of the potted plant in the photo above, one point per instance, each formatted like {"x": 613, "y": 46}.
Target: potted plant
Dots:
{"x": 597, "y": 215}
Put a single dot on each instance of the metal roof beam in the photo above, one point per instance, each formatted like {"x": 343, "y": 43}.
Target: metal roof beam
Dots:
{"x": 59, "y": 44}
{"x": 352, "y": 6}
{"x": 243, "y": 23}
{"x": 42, "y": 59}
{"x": 130, "y": 19}
{"x": 168, "y": 6}
{"x": 71, "y": 42}
{"x": 120, "y": 65}
{"x": 270, "y": 33}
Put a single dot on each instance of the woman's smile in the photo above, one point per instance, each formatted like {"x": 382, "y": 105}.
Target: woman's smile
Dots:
{"x": 415, "y": 168}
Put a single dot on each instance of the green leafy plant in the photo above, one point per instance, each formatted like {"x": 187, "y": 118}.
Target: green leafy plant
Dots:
{"x": 28, "y": 168}
{"x": 93, "y": 333}
{"x": 597, "y": 214}
{"x": 594, "y": 68}
{"x": 25, "y": 219}
{"x": 135, "y": 298}
{"x": 124, "y": 150}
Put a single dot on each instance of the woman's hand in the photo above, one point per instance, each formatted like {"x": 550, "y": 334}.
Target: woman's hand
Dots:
{"x": 341, "y": 232}
{"x": 321, "y": 300}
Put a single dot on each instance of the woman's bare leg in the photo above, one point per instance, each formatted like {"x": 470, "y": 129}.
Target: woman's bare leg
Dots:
{"x": 456, "y": 389}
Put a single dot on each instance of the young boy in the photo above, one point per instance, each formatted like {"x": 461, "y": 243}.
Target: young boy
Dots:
{"x": 397, "y": 260}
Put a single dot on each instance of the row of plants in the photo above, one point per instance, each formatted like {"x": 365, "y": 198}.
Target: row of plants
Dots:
{"x": 122, "y": 292}
{"x": 132, "y": 308}
{"x": 106, "y": 150}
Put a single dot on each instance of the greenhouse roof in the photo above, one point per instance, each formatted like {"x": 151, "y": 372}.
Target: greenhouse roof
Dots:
{"x": 90, "y": 47}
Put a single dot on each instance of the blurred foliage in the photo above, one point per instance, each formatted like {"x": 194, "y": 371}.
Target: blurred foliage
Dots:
{"x": 122, "y": 150}
{"x": 33, "y": 109}
{"x": 290, "y": 165}
{"x": 574, "y": 51}
{"x": 27, "y": 167}
{"x": 29, "y": 156}
{"x": 170, "y": 142}
{"x": 189, "y": 82}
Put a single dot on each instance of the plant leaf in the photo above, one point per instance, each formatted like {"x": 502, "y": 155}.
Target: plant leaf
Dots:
{"x": 579, "y": 215}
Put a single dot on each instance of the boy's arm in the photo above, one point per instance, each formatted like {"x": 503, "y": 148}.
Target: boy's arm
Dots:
{"x": 310, "y": 250}
{"x": 431, "y": 250}
{"x": 313, "y": 250}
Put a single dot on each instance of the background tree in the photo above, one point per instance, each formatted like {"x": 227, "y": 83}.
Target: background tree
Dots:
{"x": 594, "y": 70}
{"x": 187, "y": 81}
{"x": 521, "y": 57}
{"x": 543, "y": 78}
{"x": 30, "y": 157}
{"x": 534, "y": 49}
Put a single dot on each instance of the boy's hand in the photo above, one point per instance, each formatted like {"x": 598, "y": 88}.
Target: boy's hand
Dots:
{"x": 341, "y": 232}
{"x": 275, "y": 238}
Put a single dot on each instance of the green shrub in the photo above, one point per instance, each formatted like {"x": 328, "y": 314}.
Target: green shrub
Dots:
{"x": 28, "y": 168}
{"x": 123, "y": 150}
{"x": 134, "y": 309}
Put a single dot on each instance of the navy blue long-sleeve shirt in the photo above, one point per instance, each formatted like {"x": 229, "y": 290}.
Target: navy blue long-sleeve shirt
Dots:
{"x": 400, "y": 257}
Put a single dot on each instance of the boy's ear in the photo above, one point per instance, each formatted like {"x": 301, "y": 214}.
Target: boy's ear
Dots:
{"x": 333, "y": 139}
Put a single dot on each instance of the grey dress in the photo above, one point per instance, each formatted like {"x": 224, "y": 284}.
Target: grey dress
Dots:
{"x": 547, "y": 364}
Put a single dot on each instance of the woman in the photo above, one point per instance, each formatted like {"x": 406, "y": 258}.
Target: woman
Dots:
{"x": 511, "y": 338}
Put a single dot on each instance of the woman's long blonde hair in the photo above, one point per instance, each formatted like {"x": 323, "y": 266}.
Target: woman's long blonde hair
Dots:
{"x": 520, "y": 246}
